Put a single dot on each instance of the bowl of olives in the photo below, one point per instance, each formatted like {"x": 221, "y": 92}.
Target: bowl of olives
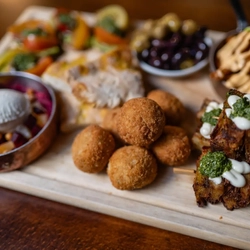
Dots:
{"x": 171, "y": 47}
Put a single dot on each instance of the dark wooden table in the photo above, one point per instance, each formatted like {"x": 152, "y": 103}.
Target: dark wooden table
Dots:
{"x": 28, "y": 222}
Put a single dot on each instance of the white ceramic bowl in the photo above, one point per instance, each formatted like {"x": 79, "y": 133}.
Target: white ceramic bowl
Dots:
{"x": 177, "y": 73}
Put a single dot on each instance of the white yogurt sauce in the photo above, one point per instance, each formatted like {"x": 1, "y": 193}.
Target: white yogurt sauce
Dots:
{"x": 241, "y": 122}
{"x": 234, "y": 176}
{"x": 207, "y": 128}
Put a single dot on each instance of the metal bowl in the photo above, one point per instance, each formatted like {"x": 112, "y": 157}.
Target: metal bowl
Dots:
{"x": 219, "y": 86}
{"x": 22, "y": 156}
{"x": 242, "y": 23}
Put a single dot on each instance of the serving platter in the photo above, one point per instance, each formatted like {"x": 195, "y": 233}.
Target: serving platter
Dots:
{"x": 168, "y": 203}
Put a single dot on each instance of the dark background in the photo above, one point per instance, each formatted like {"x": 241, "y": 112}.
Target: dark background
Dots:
{"x": 215, "y": 14}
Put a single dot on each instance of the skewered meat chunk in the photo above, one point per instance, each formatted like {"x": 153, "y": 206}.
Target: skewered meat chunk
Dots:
{"x": 207, "y": 191}
{"x": 199, "y": 141}
{"x": 234, "y": 143}
{"x": 228, "y": 138}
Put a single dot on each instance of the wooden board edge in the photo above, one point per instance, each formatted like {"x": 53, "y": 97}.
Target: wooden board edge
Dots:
{"x": 127, "y": 209}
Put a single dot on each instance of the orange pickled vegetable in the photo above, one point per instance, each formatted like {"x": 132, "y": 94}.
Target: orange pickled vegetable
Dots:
{"x": 106, "y": 37}
{"x": 81, "y": 34}
{"x": 37, "y": 43}
{"x": 41, "y": 66}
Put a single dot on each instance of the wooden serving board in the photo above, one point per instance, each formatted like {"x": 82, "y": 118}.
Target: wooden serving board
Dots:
{"x": 168, "y": 203}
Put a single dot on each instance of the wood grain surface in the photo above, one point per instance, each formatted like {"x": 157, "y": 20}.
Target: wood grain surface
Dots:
{"x": 31, "y": 223}
{"x": 216, "y": 15}
{"x": 28, "y": 222}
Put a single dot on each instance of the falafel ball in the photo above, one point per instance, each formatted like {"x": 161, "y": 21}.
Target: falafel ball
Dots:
{"x": 173, "y": 108}
{"x": 140, "y": 121}
{"x": 92, "y": 148}
{"x": 109, "y": 123}
{"x": 109, "y": 119}
{"x": 131, "y": 167}
{"x": 173, "y": 147}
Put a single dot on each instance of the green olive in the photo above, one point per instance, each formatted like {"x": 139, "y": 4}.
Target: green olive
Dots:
{"x": 174, "y": 24}
{"x": 187, "y": 64}
{"x": 166, "y": 18}
{"x": 140, "y": 43}
{"x": 161, "y": 23}
{"x": 148, "y": 25}
{"x": 159, "y": 31}
{"x": 189, "y": 27}
{"x": 139, "y": 32}
{"x": 142, "y": 36}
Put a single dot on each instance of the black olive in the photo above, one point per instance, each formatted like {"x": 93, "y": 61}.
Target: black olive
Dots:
{"x": 155, "y": 62}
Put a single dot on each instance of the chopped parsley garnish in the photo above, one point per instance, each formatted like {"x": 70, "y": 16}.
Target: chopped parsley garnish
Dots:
{"x": 214, "y": 164}
{"x": 24, "y": 61}
{"x": 67, "y": 20}
{"x": 211, "y": 117}
{"x": 108, "y": 23}
{"x": 36, "y": 31}
{"x": 241, "y": 108}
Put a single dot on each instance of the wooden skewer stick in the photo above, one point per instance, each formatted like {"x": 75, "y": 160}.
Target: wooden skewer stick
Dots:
{"x": 187, "y": 171}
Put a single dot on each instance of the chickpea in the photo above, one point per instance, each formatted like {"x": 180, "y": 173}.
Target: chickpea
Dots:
{"x": 8, "y": 136}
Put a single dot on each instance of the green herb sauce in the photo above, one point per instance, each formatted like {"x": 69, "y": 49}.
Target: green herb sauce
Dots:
{"x": 211, "y": 117}
{"x": 241, "y": 108}
{"x": 214, "y": 164}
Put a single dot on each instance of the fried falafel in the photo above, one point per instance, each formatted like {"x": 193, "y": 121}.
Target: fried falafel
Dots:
{"x": 173, "y": 147}
{"x": 92, "y": 148}
{"x": 140, "y": 122}
{"x": 109, "y": 123}
{"x": 173, "y": 108}
{"x": 131, "y": 167}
